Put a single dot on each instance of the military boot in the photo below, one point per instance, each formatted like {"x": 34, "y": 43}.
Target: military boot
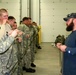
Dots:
{"x": 33, "y": 65}
{"x": 30, "y": 70}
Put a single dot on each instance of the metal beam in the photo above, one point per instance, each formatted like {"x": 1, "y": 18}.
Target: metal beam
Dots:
{"x": 20, "y": 10}
{"x": 29, "y": 8}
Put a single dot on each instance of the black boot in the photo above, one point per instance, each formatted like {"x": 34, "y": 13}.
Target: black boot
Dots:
{"x": 24, "y": 68}
{"x": 33, "y": 65}
{"x": 39, "y": 47}
{"x": 30, "y": 70}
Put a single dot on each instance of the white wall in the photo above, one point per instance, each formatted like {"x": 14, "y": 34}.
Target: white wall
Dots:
{"x": 13, "y": 7}
{"x": 25, "y": 8}
{"x": 52, "y": 14}
{"x": 35, "y": 10}
{"x": 49, "y": 14}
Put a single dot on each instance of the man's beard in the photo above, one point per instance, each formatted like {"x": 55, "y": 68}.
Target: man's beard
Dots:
{"x": 70, "y": 27}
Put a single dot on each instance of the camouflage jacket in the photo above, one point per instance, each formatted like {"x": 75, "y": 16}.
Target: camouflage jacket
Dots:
{"x": 6, "y": 52}
{"x": 25, "y": 38}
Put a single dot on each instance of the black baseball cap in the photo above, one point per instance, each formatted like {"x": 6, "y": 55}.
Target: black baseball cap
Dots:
{"x": 72, "y": 15}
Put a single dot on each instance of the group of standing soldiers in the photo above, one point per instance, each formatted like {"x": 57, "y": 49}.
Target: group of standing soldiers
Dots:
{"x": 29, "y": 43}
{"x": 18, "y": 45}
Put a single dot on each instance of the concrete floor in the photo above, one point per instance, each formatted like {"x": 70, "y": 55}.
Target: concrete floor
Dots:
{"x": 47, "y": 61}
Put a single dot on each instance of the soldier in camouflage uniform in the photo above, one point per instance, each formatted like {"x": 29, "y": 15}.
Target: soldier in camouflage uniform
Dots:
{"x": 26, "y": 45}
{"x": 17, "y": 46}
{"x": 37, "y": 35}
{"x": 36, "y": 39}
{"x": 32, "y": 42}
{"x": 17, "y": 69}
{"x": 7, "y": 37}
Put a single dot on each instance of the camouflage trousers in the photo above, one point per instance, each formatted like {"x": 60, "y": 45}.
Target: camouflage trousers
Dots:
{"x": 27, "y": 59}
{"x": 32, "y": 47}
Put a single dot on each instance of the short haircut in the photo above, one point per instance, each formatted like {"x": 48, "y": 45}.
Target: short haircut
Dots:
{"x": 10, "y": 17}
{"x": 2, "y": 11}
{"x": 29, "y": 18}
{"x": 20, "y": 22}
{"x": 33, "y": 22}
{"x": 25, "y": 18}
